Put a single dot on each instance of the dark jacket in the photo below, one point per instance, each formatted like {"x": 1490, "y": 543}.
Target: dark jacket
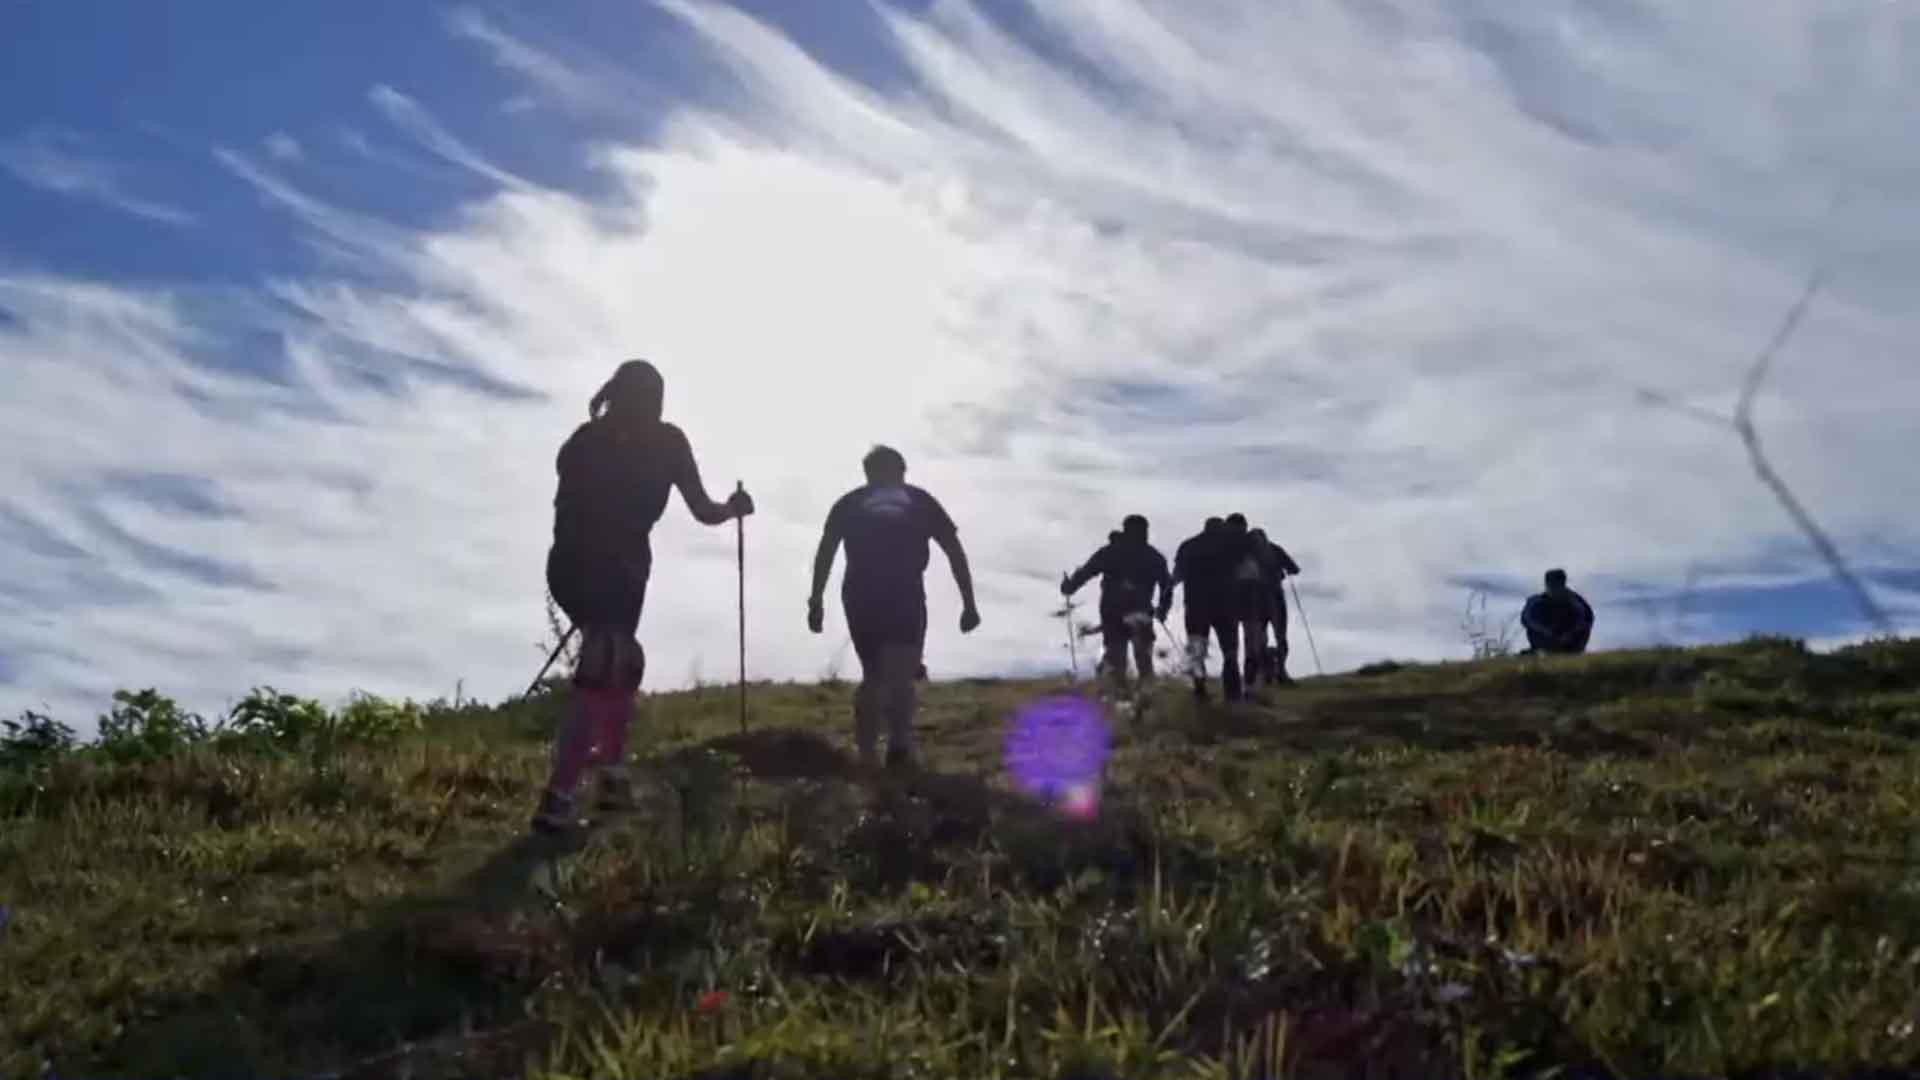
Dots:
{"x": 1557, "y": 616}
{"x": 1129, "y": 571}
{"x": 1205, "y": 563}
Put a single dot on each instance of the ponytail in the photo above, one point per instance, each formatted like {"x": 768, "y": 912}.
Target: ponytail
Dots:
{"x": 635, "y": 388}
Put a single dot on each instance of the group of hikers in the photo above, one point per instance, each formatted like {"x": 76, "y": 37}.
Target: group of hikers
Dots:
{"x": 618, "y": 470}
{"x": 1235, "y": 593}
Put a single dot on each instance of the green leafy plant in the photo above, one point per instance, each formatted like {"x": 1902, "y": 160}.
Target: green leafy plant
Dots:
{"x": 270, "y": 718}
{"x": 367, "y": 718}
{"x": 146, "y": 724}
{"x": 33, "y": 740}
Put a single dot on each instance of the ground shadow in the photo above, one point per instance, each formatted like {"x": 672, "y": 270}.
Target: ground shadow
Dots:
{"x": 432, "y": 985}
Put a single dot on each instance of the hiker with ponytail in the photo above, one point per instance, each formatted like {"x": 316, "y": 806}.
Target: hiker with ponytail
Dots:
{"x": 616, "y": 473}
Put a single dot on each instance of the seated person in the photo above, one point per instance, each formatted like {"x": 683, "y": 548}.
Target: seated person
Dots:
{"x": 1558, "y": 620}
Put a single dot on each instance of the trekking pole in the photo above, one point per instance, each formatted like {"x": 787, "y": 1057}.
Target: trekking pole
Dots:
{"x": 1073, "y": 651}
{"x": 740, "y": 560}
{"x": 1179, "y": 644}
{"x": 1302, "y": 609}
{"x": 551, "y": 657}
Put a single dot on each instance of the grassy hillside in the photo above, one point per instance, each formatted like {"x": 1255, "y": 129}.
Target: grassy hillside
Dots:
{"x": 1651, "y": 863}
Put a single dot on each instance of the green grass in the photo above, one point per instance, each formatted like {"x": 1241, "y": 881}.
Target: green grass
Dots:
{"x": 1676, "y": 862}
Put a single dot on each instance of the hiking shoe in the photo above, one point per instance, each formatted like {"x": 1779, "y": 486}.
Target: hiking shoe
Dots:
{"x": 557, "y": 815}
{"x": 616, "y": 791}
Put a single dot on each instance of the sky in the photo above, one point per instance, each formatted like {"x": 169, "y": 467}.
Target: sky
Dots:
{"x": 296, "y": 310}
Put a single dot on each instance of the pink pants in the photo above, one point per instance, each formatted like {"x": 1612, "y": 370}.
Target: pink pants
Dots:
{"x": 595, "y": 733}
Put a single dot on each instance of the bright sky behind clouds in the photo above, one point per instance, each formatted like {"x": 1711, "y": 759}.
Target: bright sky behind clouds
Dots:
{"x": 295, "y": 311}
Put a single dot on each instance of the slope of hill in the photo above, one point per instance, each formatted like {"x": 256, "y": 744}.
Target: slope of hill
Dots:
{"x": 1668, "y": 862}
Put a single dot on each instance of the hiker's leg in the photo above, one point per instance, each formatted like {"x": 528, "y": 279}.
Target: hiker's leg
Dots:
{"x": 867, "y": 699}
{"x": 573, "y": 746}
{"x": 1198, "y": 629}
{"x": 617, "y": 714}
{"x": 899, "y": 662}
{"x": 1280, "y": 636}
{"x": 1579, "y": 643}
{"x": 1113, "y": 647}
{"x": 1143, "y": 649}
{"x": 1227, "y": 631}
{"x": 1537, "y": 642}
{"x": 594, "y": 683}
{"x": 627, "y": 669}
{"x": 1253, "y": 637}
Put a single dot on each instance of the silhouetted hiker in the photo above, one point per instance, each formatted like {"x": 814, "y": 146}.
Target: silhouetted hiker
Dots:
{"x": 1267, "y": 605}
{"x": 1100, "y": 666}
{"x": 1202, "y": 566}
{"x": 616, "y": 473}
{"x": 1558, "y": 620}
{"x": 1129, "y": 569}
{"x": 886, "y": 524}
{"x": 1248, "y": 570}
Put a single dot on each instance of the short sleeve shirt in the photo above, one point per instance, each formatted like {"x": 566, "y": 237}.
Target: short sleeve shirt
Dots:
{"x": 886, "y": 528}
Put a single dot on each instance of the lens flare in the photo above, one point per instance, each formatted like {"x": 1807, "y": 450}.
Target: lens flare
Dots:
{"x": 1056, "y": 749}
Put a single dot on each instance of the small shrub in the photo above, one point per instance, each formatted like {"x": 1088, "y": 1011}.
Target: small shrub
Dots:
{"x": 267, "y": 717}
{"x": 146, "y": 725}
{"x": 371, "y": 719}
{"x": 33, "y": 740}
{"x": 1488, "y": 639}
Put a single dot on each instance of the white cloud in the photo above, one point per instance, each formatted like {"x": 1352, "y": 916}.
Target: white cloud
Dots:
{"x": 283, "y": 147}
{"x": 410, "y": 117}
{"x": 64, "y": 163}
{"x": 1385, "y": 277}
{"x": 535, "y": 65}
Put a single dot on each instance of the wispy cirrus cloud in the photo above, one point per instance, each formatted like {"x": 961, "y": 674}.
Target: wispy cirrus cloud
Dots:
{"x": 1387, "y": 277}
{"x": 66, "y": 163}
{"x": 537, "y": 66}
{"x": 283, "y": 147}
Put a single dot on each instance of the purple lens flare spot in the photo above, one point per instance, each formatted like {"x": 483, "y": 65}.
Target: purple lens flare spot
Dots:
{"x": 1057, "y": 749}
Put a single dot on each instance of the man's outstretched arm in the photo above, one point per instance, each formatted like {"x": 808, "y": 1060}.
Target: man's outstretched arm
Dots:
{"x": 962, "y": 574}
{"x": 1079, "y": 578}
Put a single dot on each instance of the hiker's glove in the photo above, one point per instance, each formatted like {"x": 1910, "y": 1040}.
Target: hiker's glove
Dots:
{"x": 969, "y": 619}
{"x": 1066, "y": 585}
{"x": 740, "y": 504}
{"x": 816, "y": 615}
